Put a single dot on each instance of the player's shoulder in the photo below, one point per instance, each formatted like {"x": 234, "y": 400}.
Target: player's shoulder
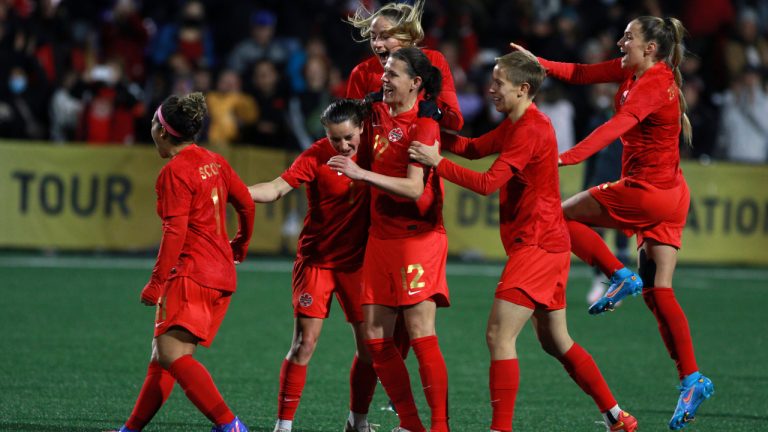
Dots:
{"x": 434, "y": 55}
{"x": 371, "y": 64}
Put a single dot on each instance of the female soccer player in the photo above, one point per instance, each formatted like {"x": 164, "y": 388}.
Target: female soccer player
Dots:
{"x": 534, "y": 234}
{"x": 329, "y": 258}
{"x": 194, "y": 277}
{"x": 404, "y": 265}
{"x": 651, "y": 199}
{"x": 391, "y": 27}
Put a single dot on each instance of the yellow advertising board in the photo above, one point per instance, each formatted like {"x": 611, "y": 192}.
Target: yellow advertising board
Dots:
{"x": 102, "y": 198}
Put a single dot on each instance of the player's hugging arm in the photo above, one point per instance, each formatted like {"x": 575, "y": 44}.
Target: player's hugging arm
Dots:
{"x": 411, "y": 186}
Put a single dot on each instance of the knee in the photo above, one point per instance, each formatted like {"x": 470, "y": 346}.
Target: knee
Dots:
{"x": 418, "y": 329}
{"x": 493, "y": 338}
{"x": 303, "y": 348}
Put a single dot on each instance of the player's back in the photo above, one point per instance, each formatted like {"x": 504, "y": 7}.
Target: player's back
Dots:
{"x": 195, "y": 183}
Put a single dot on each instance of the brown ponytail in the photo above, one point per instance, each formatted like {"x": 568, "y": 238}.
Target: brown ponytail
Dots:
{"x": 668, "y": 34}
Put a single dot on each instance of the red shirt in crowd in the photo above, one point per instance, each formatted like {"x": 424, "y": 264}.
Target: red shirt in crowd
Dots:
{"x": 393, "y": 216}
{"x": 647, "y": 119}
{"x": 336, "y": 225}
{"x": 525, "y": 171}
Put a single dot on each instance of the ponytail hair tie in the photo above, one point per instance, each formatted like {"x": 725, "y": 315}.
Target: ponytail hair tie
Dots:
{"x": 165, "y": 124}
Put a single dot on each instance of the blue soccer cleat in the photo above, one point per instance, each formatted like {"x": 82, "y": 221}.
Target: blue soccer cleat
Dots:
{"x": 123, "y": 428}
{"x": 694, "y": 389}
{"x": 234, "y": 426}
{"x": 623, "y": 283}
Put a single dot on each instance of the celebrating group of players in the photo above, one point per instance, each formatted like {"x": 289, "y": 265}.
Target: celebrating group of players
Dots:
{"x": 374, "y": 235}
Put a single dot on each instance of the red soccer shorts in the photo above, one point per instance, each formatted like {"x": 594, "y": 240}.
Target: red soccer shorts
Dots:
{"x": 313, "y": 286}
{"x": 406, "y": 271}
{"x": 643, "y": 209}
{"x": 198, "y": 309}
{"x": 535, "y": 278}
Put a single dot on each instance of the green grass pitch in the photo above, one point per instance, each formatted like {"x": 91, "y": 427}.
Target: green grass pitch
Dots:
{"x": 76, "y": 345}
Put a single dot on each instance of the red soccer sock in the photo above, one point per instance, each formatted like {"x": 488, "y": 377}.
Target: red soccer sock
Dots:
{"x": 198, "y": 385}
{"x": 401, "y": 338}
{"x": 155, "y": 391}
{"x": 673, "y": 326}
{"x": 434, "y": 379}
{"x": 362, "y": 384}
{"x": 591, "y": 248}
{"x": 292, "y": 379}
{"x": 390, "y": 368}
{"x": 583, "y": 369}
{"x": 503, "y": 380}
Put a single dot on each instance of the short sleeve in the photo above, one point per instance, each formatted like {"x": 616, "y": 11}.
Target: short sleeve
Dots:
{"x": 174, "y": 195}
{"x": 304, "y": 168}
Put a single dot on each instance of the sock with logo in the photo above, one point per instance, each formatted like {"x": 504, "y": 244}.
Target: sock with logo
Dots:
{"x": 434, "y": 379}
{"x": 198, "y": 385}
{"x": 157, "y": 387}
{"x": 587, "y": 244}
{"x": 583, "y": 370}
{"x": 292, "y": 379}
{"x": 390, "y": 368}
{"x": 673, "y": 326}
{"x": 503, "y": 380}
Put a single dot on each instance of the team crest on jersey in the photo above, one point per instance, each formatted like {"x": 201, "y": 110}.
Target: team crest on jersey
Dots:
{"x": 305, "y": 300}
{"x": 395, "y": 135}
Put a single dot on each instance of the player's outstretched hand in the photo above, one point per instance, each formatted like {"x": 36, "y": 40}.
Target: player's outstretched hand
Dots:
{"x": 516, "y": 47}
{"x": 346, "y": 166}
{"x": 151, "y": 293}
{"x": 424, "y": 154}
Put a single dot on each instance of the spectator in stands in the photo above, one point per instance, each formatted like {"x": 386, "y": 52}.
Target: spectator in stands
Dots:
{"x": 66, "y": 107}
{"x": 124, "y": 36}
{"x": 744, "y": 135}
{"x": 305, "y": 107}
{"x": 553, "y": 103}
{"x": 189, "y": 36}
{"x": 230, "y": 109}
{"x": 112, "y": 104}
{"x": 262, "y": 45}
{"x": 271, "y": 129}
{"x": 22, "y": 106}
{"x": 748, "y": 47}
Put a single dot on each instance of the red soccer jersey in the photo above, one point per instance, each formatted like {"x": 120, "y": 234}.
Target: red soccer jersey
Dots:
{"x": 393, "y": 216}
{"x": 196, "y": 184}
{"x": 366, "y": 78}
{"x": 530, "y": 213}
{"x": 647, "y": 119}
{"x": 336, "y": 225}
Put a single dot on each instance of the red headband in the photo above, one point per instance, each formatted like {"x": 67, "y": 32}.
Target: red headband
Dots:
{"x": 165, "y": 124}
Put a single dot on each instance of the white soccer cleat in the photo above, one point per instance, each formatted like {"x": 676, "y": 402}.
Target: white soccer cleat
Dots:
{"x": 369, "y": 427}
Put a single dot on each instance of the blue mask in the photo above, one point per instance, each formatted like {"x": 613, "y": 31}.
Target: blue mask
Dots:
{"x": 17, "y": 84}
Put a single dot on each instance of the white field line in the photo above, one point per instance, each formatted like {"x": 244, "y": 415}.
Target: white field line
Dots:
{"x": 276, "y": 265}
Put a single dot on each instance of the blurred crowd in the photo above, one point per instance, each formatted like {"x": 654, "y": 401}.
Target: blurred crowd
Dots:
{"x": 95, "y": 70}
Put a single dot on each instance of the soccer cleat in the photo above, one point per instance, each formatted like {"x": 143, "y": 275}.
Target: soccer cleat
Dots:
{"x": 234, "y": 426}
{"x": 400, "y": 429}
{"x": 623, "y": 283}
{"x": 370, "y": 427}
{"x": 123, "y": 428}
{"x": 599, "y": 285}
{"x": 626, "y": 422}
{"x": 279, "y": 429}
{"x": 694, "y": 389}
